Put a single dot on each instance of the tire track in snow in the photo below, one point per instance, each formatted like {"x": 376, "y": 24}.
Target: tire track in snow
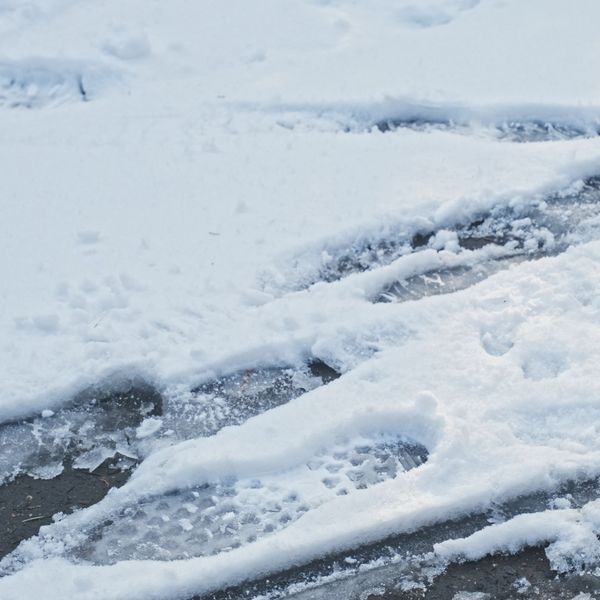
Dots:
{"x": 434, "y": 260}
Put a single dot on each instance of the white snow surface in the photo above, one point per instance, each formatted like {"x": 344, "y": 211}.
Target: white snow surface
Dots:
{"x": 172, "y": 173}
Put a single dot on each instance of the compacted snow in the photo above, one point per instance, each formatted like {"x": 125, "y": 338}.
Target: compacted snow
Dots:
{"x": 232, "y": 204}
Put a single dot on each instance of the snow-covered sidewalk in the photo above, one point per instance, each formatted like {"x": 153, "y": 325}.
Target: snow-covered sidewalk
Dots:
{"x": 194, "y": 190}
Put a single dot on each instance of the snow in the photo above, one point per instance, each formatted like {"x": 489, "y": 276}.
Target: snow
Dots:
{"x": 180, "y": 181}
{"x": 572, "y": 533}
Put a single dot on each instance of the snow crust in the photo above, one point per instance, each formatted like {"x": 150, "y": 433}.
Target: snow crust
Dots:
{"x": 178, "y": 177}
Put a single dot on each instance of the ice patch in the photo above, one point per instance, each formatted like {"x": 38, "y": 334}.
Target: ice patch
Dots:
{"x": 471, "y": 596}
{"x": 233, "y": 398}
{"x": 96, "y": 425}
{"x": 219, "y": 516}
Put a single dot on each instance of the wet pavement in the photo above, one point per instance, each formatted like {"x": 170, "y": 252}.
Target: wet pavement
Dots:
{"x": 522, "y": 576}
{"x": 27, "y": 503}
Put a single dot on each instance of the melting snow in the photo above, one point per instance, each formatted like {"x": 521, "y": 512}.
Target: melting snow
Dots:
{"x": 210, "y": 211}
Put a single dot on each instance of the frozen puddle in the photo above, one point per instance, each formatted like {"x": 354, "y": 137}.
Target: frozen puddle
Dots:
{"x": 223, "y": 515}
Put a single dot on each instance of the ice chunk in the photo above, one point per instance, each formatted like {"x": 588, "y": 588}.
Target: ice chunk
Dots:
{"x": 148, "y": 427}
